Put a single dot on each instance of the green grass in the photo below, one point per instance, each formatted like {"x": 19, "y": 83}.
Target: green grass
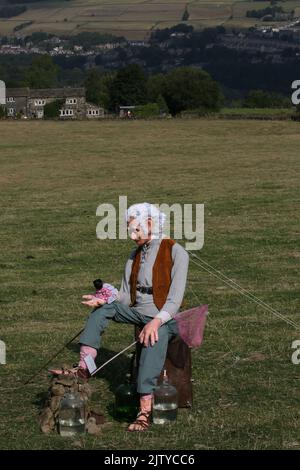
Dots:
{"x": 53, "y": 176}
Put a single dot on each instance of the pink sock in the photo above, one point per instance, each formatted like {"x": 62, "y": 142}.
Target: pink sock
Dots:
{"x": 146, "y": 402}
{"x": 85, "y": 351}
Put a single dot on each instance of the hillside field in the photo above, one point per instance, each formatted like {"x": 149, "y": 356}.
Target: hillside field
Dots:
{"x": 134, "y": 19}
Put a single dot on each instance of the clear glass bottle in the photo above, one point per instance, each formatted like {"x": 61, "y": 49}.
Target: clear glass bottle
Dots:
{"x": 165, "y": 402}
{"x": 126, "y": 404}
{"x": 71, "y": 415}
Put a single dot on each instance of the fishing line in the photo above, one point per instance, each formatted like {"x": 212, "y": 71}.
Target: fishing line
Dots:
{"x": 224, "y": 341}
{"x": 234, "y": 285}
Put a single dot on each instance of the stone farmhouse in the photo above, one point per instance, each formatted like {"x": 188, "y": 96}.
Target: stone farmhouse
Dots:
{"x": 29, "y": 103}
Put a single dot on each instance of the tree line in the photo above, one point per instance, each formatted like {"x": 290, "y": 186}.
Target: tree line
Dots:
{"x": 180, "y": 89}
{"x": 184, "y": 88}
{"x": 264, "y": 12}
{"x": 10, "y": 11}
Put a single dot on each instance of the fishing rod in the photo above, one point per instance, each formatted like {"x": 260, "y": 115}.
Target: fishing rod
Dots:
{"x": 114, "y": 357}
{"x": 52, "y": 357}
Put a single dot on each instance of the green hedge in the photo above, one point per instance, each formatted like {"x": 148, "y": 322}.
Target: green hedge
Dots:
{"x": 147, "y": 110}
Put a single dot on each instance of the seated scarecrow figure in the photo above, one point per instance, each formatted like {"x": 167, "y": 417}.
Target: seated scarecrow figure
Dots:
{"x": 151, "y": 293}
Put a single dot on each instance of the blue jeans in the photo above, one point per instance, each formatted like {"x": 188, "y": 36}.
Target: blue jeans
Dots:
{"x": 152, "y": 357}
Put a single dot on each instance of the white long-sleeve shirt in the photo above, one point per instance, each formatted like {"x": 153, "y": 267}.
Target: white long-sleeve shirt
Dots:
{"x": 144, "y": 302}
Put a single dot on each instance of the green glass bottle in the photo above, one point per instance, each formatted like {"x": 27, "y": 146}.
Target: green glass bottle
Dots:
{"x": 126, "y": 404}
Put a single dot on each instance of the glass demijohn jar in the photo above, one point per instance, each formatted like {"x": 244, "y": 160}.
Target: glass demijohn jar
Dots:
{"x": 126, "y": 405}
{"x": 71, "y": 415}
{"x": 165, "y": 403}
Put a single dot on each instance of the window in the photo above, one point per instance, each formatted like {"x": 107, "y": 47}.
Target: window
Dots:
{"x": 93, "y": 112}
{"x": 71, "y": 101}
{"x": 39, "y": 102}
{"x": 10, "y": 111}
{"x": 66, "y": 112}
{"x": 10, "y": 99}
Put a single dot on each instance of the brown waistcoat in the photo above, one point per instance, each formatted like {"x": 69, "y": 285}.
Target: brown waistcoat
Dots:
{"x": 161, "y": 273}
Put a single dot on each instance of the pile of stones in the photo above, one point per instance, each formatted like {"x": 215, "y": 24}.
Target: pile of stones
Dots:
{"x": 48, "y": 418}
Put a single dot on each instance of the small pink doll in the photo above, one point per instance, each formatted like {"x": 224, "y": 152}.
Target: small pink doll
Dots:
{"x": 105, "y": 294}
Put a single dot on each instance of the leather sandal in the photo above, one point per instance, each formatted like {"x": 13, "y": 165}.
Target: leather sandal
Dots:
{"x": 142, "y": 423}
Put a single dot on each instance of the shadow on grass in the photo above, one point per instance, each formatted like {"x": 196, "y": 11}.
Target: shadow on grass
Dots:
{"x": 40, "y": 400}
{"x": 114, "y": 374}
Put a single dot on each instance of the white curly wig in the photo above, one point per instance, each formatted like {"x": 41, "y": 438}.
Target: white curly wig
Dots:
{"x": 144, "y": 211}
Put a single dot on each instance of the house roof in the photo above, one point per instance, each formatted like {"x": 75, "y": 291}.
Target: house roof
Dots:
{"x": 67, "y": 92}
{"x": 46, "y": 92}
{"x": 17, "y": 92}
{"x": 93, "y": 105}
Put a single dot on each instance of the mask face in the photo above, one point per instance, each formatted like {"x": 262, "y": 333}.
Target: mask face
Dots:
{"x": 134, "y": 231}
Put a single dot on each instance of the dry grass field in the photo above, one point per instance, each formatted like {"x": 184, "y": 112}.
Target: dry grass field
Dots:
{"x": 53, "y": 175}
